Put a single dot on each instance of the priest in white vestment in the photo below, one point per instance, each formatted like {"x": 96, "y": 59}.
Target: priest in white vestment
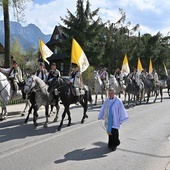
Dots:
{"x": 114, "y": 114}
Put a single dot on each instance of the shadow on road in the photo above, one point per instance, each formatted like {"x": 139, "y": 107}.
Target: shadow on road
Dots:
{"x": 13, "y": 129}
{"x": 84, "y": 154}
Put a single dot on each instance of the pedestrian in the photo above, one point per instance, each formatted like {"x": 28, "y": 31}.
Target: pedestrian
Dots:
{"x": 114, "y": 114}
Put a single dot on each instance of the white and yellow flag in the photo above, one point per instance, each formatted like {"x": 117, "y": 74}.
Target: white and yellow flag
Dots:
{"x": 150, "y": 66}
{"x": 139, "y": 66}
{"x": 125, "y": 66}
{"x": 78, "y": 56}
{"x": 45, "y": 51}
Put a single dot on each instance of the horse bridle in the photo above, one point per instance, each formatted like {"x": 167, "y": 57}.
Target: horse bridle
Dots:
{"x": 34, "y": 86}
{"x": 30, "y": 85}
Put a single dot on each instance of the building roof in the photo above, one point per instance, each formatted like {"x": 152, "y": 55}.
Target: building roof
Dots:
{"x": 55, "y": 57}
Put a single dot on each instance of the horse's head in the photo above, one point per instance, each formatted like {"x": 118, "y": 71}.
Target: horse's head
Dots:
{"x": 97, "y": 78}
{"x": 112, "y": 80}
{"x": 96, "y": 74}
{"x": 29, "y": 84}
{"x": 56, "y": 83}
{"x": 128, "y": 80}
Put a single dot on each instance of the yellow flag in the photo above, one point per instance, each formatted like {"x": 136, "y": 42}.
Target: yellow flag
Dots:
{"x": 139, "y": 66}
{"x": 78, "y": 56}
{"x": 125, "y": 66}
{"x": 150, "y": 66}
{"x": 166, "y": 72}
{"x": 45, "y": 51}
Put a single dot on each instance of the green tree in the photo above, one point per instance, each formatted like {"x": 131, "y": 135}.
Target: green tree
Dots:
{"x": 119, "y": 39}
{"x": 17, "y": 52}
{"x": 18, "y": 8}
{"x": 86, "y": 30}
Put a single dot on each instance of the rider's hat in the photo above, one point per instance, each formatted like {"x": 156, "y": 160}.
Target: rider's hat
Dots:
{"x": 74, "y": 65}
{"x": 53, "y": 64}
{"x": 41, "y": 64}
{"x": 14, "y": 62}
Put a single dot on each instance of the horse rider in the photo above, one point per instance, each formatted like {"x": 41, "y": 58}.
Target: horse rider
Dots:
{"x": 41, "y": 72}
{"x": 135, "y": 77}
{"x": 104, "y": 77}
{"x": 117, "y": 75}
{"x": 154, "y": 77}
{"x": 75, "y": 79}
{"x": 144, "y": 73}
{"x": 14, "y": 75}
{"x": 53, "y": 72}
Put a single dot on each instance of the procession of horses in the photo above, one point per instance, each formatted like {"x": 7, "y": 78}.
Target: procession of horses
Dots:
{"x": 37, "y": 93}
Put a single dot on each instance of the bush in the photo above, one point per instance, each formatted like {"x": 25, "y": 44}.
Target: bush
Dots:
{"x": 88, "y": 77}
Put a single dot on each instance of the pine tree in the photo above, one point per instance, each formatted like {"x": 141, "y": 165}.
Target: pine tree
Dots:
{"x": 86, "y": 30}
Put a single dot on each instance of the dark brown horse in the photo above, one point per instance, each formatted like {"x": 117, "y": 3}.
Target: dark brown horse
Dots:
{"x": 63, "y": 89}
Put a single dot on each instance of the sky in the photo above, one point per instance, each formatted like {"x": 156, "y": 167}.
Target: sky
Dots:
{"x": 152, "y": 15}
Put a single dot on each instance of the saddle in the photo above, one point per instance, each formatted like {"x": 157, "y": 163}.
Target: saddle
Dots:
{"x": 74, "y": 90}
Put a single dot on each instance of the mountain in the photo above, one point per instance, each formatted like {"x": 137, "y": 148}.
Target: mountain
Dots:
{"x": 27, "y": 36}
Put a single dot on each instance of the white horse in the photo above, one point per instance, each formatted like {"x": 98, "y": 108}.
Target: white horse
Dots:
{"x": 99, "y": 87}
{"x": 41, "y": 97}
{"x": 6, "y": 94}
{"x": 118, "y": 87}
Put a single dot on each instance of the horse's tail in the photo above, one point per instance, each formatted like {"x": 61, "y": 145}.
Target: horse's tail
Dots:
{"x": 90, "y": 96}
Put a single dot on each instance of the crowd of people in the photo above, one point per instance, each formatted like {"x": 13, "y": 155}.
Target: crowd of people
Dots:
{"x": 15, "y": 76}
{"x": 112, "y": 110}
{"x": 75, "y": 78}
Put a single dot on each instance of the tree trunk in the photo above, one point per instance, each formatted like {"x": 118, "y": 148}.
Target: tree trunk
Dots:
{"x": 7, "y": 32}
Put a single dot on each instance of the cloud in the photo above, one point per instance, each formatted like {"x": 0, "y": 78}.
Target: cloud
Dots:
{"x": 151, "y": 15}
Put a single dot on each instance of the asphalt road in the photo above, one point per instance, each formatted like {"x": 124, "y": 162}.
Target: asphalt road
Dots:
{"x": 145, "y": 141}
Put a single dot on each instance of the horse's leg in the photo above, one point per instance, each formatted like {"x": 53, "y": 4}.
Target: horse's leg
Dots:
{"x": 3, "y": 113}
{"x": 156, "y": 95}
{"x": 148, "y": 96}
{"x": 141, "y": 96}
{"x": 161, "y": 93}
{"x": 85, "y": 106}
{"x": 27, "y": 104}
{"x": 57, "y": 111}
{"x": 46, "y": 115}
{"x": 102, "y": 97}
{"x": 125, "y": 97}
{"x": 69, "y": 117}
{"x": 51, "y": 110}
{"x": 62, "y": 119}
{"x": 35, "y": 115}
{"x": 128, "y": 99}
{"x": 29, "y": 112}
{"x": 137, "y": 99}
{"x": 95, "y": 99}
